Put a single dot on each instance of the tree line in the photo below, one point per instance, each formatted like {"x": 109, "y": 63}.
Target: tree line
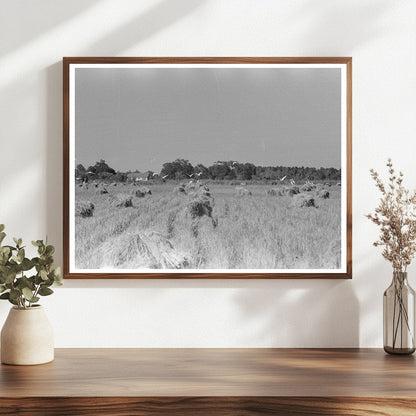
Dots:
{"x": 180, "y": 169}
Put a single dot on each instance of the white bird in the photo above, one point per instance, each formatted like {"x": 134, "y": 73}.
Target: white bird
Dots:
{"x": 189, "y": 175}
{"x": 284, "y": 177}
{"x": 155, "y": 173}
{"x": 292, "y": 182}
{"x": 199, "y": 174}
{"x": 164, "y": 177}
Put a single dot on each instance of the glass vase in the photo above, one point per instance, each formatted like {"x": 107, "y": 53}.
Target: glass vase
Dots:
{"x": 399, "y": 316}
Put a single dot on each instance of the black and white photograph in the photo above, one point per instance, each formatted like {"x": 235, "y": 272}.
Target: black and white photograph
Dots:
{"x": 208, "y": 168}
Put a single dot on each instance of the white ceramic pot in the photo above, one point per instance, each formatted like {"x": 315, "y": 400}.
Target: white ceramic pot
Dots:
{"x": 27, "y": 337}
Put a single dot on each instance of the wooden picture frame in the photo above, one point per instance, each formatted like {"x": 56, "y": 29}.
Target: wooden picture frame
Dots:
{"x": 309, "y": 93}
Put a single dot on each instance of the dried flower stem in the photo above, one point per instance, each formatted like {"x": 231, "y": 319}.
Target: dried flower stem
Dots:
{"x": 396, "y": 217}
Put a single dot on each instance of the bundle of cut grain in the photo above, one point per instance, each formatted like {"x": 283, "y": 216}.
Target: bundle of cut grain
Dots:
{"x": 150, "y": 250}
{"x": 122, "y": 201}
{"x": 199, "y": 206}
{"x": 242, "y": 191}
{"x": 142, "y": 192}
{"x": 324, "y": 194}
{"x": 307, "y": 187}
{"x": 84, "y": 209}
{"x": 303, "y": 200}
{"x": 273, "y": 192}
{"x": 101, "y": 189}
{"x": 292, "y": 190}
{"x": 180, "y": 189}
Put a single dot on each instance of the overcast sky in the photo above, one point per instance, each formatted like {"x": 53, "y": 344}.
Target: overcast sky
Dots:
{"x": 142, "y": 118}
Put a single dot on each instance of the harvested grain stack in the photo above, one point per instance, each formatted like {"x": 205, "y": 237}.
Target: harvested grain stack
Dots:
{"x": 199, "y": 206}
{"x": 324, "y": 194}
{"x": 293, "y": 190}
{"x": 200, "y": 202}
{"x": 180, "y": 189}
{"x": 122, "y": 201}
{"x": 142, "y": 192}
{"x": 303, "y": 200}
{"x": 191, "y": 186}
{"x": 84, "y": 209}
{"x": 274, "y": 192}
{"x": 102, "y": 190}
{"x": 307, "y": 187}
{"x": 242, "y": 191}
{"x": 150, "y": 250}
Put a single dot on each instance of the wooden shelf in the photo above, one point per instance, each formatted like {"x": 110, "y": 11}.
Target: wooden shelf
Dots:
{"x": 212, "y": 382}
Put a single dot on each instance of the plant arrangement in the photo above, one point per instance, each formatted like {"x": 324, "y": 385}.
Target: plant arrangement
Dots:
{"x": 24, "y": 280}
{"x": 396, "y": 217}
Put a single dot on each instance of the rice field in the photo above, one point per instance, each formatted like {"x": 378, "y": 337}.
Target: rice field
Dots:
{"x": 214, "y": 227}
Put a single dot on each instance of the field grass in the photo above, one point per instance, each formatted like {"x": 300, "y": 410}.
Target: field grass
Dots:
{"x": 257, "y": 231}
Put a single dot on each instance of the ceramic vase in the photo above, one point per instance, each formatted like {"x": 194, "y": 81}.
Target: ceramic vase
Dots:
{"x": 27, "y": 337}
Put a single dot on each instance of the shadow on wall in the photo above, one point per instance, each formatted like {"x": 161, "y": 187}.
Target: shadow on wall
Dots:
{"x": 301, "y": 313}
{"x": 45, "y": 16}
{"x": 350, "y": 24}
{"x": 142, "y": 27}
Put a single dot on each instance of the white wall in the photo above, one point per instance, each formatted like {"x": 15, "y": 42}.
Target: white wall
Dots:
{"x": 380, "y": 35}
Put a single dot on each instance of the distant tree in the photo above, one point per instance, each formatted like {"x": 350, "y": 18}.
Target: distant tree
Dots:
{"x": 101, "y": 169}
{"x": 80, "y": 172}
{"x": 120, "y": 177}
{"x": 201, "y": 171}
{"x": 244, "y": 171}
{"x": 178, "y": 169}
{"x": 219, "y": 170}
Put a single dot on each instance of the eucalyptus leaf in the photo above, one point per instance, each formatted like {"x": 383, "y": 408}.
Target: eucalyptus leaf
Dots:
{"x": 2, "y": 226}
{"x": 26, "y": 264}
{"x": 2, "y": 236}
{"x": 27, "y": 293}
{"x": 5, "y": 295}
{"x": 49, "y": 250}
{"x": 13, "y": 302}
{"x": 24, "y": 282}
{"x": 9, "y": 277}
{"x": 15, "y": 293}
{"x": 43, "y": 275}
{"x": 21, "y": 255}
{"x": 45, "y": 291}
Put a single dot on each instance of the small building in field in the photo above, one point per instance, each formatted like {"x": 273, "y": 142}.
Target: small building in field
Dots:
{"x": 139, "y": 176}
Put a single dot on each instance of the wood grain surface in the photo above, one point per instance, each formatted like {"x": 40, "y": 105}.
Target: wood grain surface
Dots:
{"x": 212, "y": 381}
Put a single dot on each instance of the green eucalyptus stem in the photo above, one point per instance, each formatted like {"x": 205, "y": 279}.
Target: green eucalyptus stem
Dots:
{"x": 23, "y": 280}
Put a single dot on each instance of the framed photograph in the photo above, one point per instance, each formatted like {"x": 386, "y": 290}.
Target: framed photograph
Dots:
{"x": 207, "y": 168}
